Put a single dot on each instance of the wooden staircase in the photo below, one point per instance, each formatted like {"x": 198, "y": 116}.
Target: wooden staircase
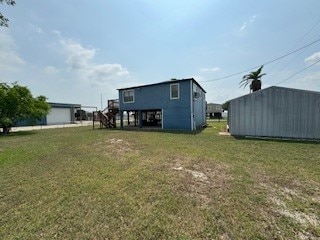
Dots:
{"x": 107, "y": 117}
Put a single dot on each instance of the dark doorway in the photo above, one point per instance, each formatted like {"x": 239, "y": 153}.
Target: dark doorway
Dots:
{"x": 152, "y": 118}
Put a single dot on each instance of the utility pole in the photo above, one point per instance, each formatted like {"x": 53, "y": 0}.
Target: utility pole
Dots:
{"x": 101, "y": 102}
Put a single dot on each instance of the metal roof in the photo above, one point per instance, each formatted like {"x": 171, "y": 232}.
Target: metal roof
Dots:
{"x": 64, "y": 105}
{"x": 276, "y": 87}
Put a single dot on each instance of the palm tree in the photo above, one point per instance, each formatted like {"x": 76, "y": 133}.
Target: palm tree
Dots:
{"x": 254, "y": 78}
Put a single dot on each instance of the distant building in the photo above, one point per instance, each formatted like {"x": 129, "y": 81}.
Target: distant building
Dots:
{"x": 276, "y": 112}
{"x": 214, "y": 110}
{"x": 60, "y": 113}
{"x": 174, "y": 104}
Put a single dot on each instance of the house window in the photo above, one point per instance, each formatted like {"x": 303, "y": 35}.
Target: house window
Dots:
{"x": 174, "y": 91}
{"x": 128, "y": 96}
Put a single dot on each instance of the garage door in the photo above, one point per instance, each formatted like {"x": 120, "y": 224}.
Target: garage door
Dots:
{"x": 59, "y": 116}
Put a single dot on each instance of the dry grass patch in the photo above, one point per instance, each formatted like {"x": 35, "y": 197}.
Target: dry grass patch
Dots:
{"x": 297, "y": 205}
{"x": 116, "y": 146}
{"x": 200, "y": 179}
{"x": 111, "y": 184}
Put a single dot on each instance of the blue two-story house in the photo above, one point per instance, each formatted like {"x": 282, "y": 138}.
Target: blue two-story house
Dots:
{"x": 170, "y": 105}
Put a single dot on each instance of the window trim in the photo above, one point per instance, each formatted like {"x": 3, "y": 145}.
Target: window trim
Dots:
{"x": 123, "y": 95}
{"x": 177, "y": 84}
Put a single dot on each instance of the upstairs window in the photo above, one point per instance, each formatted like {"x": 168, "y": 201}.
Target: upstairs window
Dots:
{"x": 128, "y": 96}
{"x": 174, "y": 91}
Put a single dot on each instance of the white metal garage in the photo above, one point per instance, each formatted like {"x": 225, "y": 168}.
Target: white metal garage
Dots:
{"x": 59, "y": 116}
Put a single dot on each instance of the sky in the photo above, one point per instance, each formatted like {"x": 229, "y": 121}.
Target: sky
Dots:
{"x": 82, "y": 51}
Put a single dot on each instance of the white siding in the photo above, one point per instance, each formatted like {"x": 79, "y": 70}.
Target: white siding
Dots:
{"x": 59, "y": 116}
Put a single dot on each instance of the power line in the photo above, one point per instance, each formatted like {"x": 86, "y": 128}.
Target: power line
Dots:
{"x": 298, "y": 72}
{"x": 307, "y": 33}
{"x": 266, "y": 63}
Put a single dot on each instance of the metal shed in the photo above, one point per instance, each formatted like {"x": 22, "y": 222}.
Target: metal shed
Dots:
{"x": 276, "y": 112}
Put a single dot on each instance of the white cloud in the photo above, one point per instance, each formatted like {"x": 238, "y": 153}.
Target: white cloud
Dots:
{"x": 247, "y": 23}
{"x": 81, "y": 60}
{"x": 308, "y": 82}
{"x": 57, "y": 33}
{"x": 50, "y": 70}
{"x": 78, "y": 57}
{"x": 313, "y": 58}
{"x": 9, "y": 58}
{"x": 36, "y": 28}
{"x": 103, "y": 72}
{"x": 244, "y": 25}
{"x": 214, "y": 69}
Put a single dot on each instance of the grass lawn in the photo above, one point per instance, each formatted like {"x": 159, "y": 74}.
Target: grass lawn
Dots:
{"x": 79, "y": 183}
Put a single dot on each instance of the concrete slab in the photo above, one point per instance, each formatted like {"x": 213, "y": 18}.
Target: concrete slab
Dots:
{"x": 224, "y": 134}
{"x": 30, "y": 128}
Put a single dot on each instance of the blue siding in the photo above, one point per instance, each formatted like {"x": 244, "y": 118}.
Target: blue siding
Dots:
{"x": 30, "y": 122}
{"x": 199, "y": 107}
{"x": 177, "y": 113}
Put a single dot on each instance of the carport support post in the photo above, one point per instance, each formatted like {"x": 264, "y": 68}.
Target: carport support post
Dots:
{"x": 93, "y": 119}
{"x": 140, "y": 118}
{"x": 128, "y": 116}
{"x": 135, "y": 118}
{"x": 121, "y": 119}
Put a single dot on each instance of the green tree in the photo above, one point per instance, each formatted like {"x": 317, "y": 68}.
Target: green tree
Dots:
{"x": 3, "y": 20}
{"x": 17, "y": 103}
{"x": 225, "y": 105}
{"x": 254, "y": 78}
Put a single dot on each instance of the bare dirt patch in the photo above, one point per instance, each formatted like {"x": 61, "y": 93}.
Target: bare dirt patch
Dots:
{"x": 299, "y": 217}
{"x": 196, "y": 175}
{"x": 200, "y": 180}
{"x": 282, "y": 199}
{"x": 116, "y": 145}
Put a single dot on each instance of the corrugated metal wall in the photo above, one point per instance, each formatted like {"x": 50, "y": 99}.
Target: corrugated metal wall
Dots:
{"x": 276, "y": 112}
{"x": 199, "y": 107}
